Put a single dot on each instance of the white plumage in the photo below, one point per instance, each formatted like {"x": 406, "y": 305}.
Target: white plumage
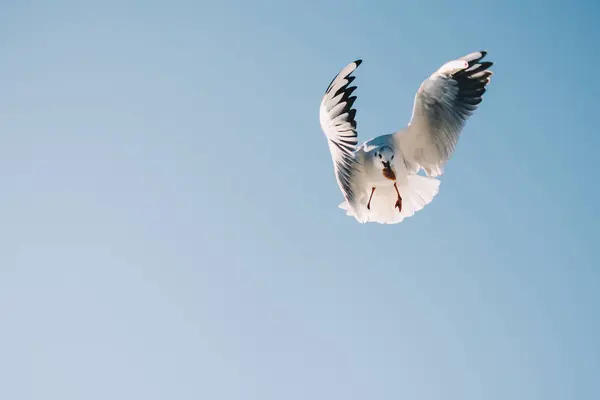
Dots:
{"x": 379, "y": 179}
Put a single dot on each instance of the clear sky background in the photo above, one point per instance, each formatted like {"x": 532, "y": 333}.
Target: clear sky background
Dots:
{"x": 169, "y": 221}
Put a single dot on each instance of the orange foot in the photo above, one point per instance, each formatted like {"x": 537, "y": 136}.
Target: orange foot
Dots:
{"x": 370, "y": 198}
{"x": 398, "y": 204}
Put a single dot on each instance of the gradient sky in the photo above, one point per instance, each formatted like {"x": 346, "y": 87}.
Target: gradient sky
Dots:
{"x": 169, "y": 213}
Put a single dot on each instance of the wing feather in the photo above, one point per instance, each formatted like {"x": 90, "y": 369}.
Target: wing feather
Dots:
{"x": 338, "y": 122}
{"x": 442, "y": 105}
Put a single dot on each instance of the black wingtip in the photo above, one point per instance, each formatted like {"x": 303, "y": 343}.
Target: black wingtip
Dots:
{"x": 488, "y": 64}
{"x": 358, "y": 62}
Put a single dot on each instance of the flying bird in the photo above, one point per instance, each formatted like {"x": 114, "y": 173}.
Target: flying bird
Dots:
{"x": 380, "y": 179}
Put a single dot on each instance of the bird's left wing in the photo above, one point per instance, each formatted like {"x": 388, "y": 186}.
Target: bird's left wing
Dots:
{"x": 337, "y": 118}
{"x": 441, "y": 108}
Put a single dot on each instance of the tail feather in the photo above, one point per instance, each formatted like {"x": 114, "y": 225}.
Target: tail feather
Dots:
{"x": 416, "y": 193}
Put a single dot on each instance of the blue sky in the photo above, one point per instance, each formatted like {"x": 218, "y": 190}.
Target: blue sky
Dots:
{"x": 169, "y": 209}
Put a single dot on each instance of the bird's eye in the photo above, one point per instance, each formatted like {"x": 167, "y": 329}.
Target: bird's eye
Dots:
{"x": 379, "y": 155}
{"x": 392, "y": 157}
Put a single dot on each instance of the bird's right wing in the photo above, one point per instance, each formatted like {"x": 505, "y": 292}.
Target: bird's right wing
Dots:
{"x": 337, "y": 118}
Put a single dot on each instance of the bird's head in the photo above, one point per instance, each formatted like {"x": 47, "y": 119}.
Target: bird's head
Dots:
{"x": 384, "y": 159}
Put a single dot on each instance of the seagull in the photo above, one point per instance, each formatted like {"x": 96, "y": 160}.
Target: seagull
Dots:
{"x": 380, "y": 179}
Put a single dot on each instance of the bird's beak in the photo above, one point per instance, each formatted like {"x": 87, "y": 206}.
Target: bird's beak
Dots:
{"x": 388, "y": 172}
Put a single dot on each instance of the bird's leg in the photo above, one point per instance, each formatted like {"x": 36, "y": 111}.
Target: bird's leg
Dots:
{"x": 399, "y": 201}
{"x": 370, "y": 197}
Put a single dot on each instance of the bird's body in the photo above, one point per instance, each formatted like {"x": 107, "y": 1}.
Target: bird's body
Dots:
{"x": 416, "y": 190}
{"x": 379, "y": 179}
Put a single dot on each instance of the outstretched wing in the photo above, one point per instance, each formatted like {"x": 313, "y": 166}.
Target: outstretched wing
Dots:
{"x": 441, "y": 108}
{"x": 338, "y": 122}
